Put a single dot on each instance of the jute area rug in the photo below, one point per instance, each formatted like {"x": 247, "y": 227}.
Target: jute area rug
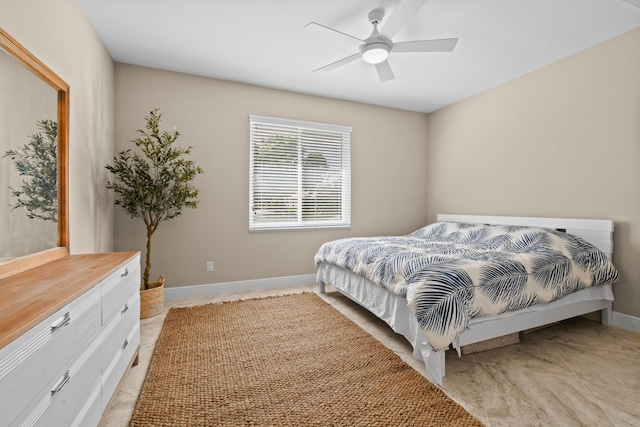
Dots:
{"x": 283, "y": 361}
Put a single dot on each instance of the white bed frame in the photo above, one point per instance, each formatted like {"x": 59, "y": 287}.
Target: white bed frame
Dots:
{"x": 394, "y": 311}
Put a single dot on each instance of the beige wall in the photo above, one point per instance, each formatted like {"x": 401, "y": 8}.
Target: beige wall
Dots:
{"x": 562, "y": 141}
{"x": 388, "y": 174}
{"x": 59, "y": 34}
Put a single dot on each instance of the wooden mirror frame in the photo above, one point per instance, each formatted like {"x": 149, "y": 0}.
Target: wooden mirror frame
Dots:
{"x": 27, "y": 262}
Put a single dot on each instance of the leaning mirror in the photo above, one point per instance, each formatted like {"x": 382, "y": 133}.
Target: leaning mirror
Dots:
{"x": 34, "y": 105}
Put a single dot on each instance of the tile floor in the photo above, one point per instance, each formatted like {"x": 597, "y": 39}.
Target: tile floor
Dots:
{"x": 577, "y": 373}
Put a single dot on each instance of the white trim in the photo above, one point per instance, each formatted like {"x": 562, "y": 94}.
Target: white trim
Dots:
{"x": 238, "y": 286}
{"x": 301, "y": 124}
{"x": 624, "y": 321}
{"x": 620, "y": 320}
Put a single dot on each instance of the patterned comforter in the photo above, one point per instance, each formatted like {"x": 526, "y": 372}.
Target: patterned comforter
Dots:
{"x": 452, "y": 272}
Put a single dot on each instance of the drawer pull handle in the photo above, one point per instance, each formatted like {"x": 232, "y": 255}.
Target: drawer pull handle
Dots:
{"x": 125, "y": 309}
{"x": 61, "y": 323}
{"x": 126, "y": 343}
{"x": 125, "y": 273}
{"x": 61, "y": 384}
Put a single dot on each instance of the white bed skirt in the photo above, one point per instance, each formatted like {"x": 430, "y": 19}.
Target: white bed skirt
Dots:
{"x": 393, "y": 309}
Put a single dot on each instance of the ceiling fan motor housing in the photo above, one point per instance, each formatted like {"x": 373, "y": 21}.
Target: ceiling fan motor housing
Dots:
{"x": 375, "y": 50}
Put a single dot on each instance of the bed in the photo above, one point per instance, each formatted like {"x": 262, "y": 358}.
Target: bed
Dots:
{"x": 402, "y": 299}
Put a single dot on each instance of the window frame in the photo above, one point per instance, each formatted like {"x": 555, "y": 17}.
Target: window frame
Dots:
{"x": 303, "y": 129}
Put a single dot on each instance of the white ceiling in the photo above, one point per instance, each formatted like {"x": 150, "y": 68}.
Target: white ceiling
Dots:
{"x": 263, "y": 42}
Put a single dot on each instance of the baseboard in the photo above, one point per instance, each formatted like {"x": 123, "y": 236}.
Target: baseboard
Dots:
{"x": 624, "y": 321}
{"x": 239, "y": 286}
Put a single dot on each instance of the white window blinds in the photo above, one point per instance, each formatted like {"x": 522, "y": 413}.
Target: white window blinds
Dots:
{"x": 300, "y": 174}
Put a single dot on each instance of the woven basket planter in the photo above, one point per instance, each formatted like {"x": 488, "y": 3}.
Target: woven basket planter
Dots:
{"x": 152, "y": 299}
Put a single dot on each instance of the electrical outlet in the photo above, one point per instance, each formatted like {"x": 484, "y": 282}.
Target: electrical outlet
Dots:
{"x": 209, "y": 265}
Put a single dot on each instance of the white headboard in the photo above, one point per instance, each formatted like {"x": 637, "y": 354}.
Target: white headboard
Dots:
{"x": 598, "y": 232}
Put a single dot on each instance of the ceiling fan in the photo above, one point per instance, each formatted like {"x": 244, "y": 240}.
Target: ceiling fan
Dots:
{"x": 375, "y": 49}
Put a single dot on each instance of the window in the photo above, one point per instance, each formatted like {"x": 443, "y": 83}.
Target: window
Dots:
{"x": 300, "y": 175}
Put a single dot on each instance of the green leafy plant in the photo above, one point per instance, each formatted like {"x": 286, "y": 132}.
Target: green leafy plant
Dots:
{"x": 155, "y": 184}
{"x": 38, "y": 160}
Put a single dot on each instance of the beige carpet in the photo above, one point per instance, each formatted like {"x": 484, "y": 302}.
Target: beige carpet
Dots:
{"x": 283, "y": 361}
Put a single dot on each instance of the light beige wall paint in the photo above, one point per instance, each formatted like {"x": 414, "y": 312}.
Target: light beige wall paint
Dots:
{"x": 562, "y": 141}
{"x": 388, "y": 178}
{"x": 59, "y": 34}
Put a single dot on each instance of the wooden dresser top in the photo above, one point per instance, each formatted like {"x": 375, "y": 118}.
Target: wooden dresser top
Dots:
{"x": 28, "y": 298}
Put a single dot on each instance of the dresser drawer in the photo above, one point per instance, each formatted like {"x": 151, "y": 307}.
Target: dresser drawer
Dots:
{"x": 113, "y": 373}
{"x": 59, "y": 403}
{"x": 116, "y": 332}
{"x": 118, "y": 288}
{"x": 90, "y": 413}
{"x": 39, "y": 356}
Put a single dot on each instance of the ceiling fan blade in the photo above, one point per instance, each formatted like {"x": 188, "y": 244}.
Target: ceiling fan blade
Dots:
{"x": 438, "y": 45}
{"x": 338, "y": 35}
{"x": 405, "y": 10}
{"x": 384, "y": 71}
{"x": 339, "y": 63}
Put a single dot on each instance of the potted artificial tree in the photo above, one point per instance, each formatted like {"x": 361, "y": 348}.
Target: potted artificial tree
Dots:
{"x": 154, "y": 184}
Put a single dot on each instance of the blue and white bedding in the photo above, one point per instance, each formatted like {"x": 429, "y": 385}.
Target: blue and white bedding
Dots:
{"x": 452, "y": 272}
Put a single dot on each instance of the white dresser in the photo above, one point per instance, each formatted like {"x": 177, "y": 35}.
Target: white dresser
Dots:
{"x": 69, "y": 330}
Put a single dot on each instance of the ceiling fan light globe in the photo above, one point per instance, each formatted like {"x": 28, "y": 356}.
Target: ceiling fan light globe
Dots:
{"x": 375, "y": 53}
